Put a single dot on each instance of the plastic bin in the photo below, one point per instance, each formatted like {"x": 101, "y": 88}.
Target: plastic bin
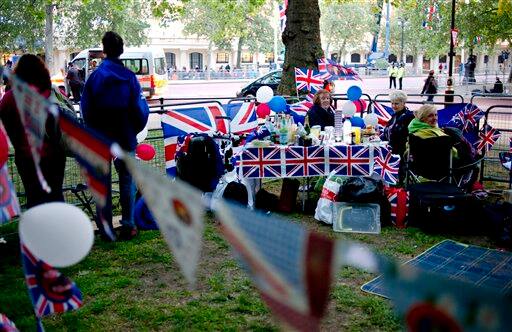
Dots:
{"x": 357, "y": 218}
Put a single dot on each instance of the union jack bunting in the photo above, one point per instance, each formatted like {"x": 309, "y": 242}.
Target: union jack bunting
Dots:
{"x": 384, "y": 113}
{"x": 349, "y": 160}
{"x": 92, "y": 152}
{"x": 49, "y": 290}
{"x": 309, "y": 79}
{"x": 304, "y": 161}
{"x": 291, "y": 267}
{"x": 9, "y": 205}
{"x": 261, "y": 162}
{"x": 336, "y": 71}
{"x": 472, "y": 114}
{"x": 386, "y": 165}
{"x": 186, "y": 119}
{"x": 6, "y": 325}
{"x": 486, "y": 138}
{"x": 33, "y": 110}
{"x": 243, "y": 117}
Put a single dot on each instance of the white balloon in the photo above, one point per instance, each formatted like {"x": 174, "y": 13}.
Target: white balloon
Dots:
{"x": 60, "y": 234}
{"x": 371, "y": 119}
{"x": 142, "y": 135}
{"x": 264, "y": 94}
{"x": 349, "y": 109}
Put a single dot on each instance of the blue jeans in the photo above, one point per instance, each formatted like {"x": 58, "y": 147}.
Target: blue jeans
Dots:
{"x": 126, "y": 198}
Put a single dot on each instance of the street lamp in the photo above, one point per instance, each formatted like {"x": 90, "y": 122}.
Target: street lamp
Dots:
{"x": 449, "y": 82}
{"x": 401, "y": 21}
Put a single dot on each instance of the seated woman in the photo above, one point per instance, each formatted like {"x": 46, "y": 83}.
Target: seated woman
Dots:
{"x": 424, "y": 125}
{"x": 396, "y": 131}
{"x": 321, "y": 113}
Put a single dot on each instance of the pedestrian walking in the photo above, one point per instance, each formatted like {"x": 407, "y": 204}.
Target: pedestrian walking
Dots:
{"x": 430, "y": 86}
{"x": 75, "y": 82}
{"x": 400, "y": 73}
{"x": 113, "y": 104}
{"x": 392, "y": 72}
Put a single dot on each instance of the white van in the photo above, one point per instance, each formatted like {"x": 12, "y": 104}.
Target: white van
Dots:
{"x": 147, "y": 63}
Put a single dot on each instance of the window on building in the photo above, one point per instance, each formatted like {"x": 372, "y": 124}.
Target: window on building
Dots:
{"x": 334, "y": 56}
{"x": 486, "y": 59}
{"x": 222, "y": 57}
{"x": 196, "y": 60}
{"x": 409, "y": 59}
{"x": 269, "y": 57}
{"x": 355, "y": 58}
{"x": 246, "y": 57}
{"x": 170, "y": 58}
{"x": 392, "y": 58}
{"x": 442, "y": 59}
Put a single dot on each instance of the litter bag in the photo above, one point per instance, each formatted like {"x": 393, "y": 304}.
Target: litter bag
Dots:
{"x": 325, "y": 207}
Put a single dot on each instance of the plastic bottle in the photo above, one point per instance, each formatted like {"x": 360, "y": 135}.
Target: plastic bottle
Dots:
{"x": 307, "y": 128}
{"x": 347, "y": 131}
{"x": 283, "y": 132}
{"x": 338, "y": 125}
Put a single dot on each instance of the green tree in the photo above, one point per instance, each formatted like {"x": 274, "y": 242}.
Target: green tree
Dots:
{"x": 21, "y": 29}
{"x": 344, "y": 26}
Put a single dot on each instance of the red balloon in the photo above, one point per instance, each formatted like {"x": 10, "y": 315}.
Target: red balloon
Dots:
{"x": 262, "y": 110}
{"x": 360, "y": 105}
{"x": 145, "y": 151}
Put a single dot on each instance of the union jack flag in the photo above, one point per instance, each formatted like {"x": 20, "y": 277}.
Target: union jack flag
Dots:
{"x": 487, "y": 137}
{"x": 304, "y": 161}
{"x": 92, "y": 152}
{"x": 186, "y": 119}
{"x": 261, "y": 162}
{"x": 49, "y": 290}
{"x": 300, "y": 109}
{"x": 472, "y": 114}
{"x": 309, "y": 79}
{"x": 387, "y": 165}
{"x": 6, "y": 325}
{"x": 282, "y": 15}
{"x": 9, "y": 205}
{"x": 290, "y": 266}
{"x": 384, "y": 113}
{"x": 335, "y": 71}
{"x": 243, "y": 117}
{"x": 399, "y": 200}
{"x": 349, "y": 160}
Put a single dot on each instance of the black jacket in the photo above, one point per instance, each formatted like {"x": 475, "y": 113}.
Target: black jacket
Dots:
{"x": 396, "y": 131}
{"x": 430, "y": 86}
{"x": 321, "y": 117}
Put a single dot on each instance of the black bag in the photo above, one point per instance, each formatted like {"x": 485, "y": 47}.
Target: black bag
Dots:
{"x": 237, "y": 192}
{"x": 266, "y": 201}
{"x": 201, "y": 165}
{"x": 498, "y": 220}
{"x": 442, "y": 207}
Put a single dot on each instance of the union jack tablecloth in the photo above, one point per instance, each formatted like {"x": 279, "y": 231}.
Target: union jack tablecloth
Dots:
{"x": 299, "y": 161}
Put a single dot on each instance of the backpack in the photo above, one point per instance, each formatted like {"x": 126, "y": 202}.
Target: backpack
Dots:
{"x": 201, "y": 165}
{"x": 53, "y": 131}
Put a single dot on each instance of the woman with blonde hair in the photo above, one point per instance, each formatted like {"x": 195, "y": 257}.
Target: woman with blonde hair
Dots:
{"x": 424, "y": 124}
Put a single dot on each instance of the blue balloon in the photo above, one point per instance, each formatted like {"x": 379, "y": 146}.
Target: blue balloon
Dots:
{"x": 357, "y": 122}
{"x": 277, "y": 104}
{"x": 354, "y": 93}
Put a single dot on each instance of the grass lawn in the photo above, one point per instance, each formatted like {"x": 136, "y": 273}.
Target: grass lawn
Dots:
{"x": 137, "y": 285}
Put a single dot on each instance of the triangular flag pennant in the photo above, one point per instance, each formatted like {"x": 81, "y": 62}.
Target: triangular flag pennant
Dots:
{"x": 92, "y": 152}
{"x": 291, "y": 267}
{"x": 178, "y": 210}
{"x": 33, "y": 109}
{"x": 6, "y": 325}
{"x": 49, "y": 290}
{"x": 9, "y": 205}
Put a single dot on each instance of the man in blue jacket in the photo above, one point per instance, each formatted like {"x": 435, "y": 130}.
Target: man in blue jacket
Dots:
{"x": 113, "y": 104}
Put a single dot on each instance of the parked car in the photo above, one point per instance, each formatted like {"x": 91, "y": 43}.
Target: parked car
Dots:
{"x": 271, "y": 79}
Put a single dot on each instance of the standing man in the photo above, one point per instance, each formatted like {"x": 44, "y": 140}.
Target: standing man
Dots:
{"x": 392, "y": 71}
{"x": 75, "y": 82}
{"x": 113, "y": 104}
{"x": 400, "y": 73}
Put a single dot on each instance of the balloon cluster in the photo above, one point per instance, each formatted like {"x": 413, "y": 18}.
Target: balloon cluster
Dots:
{"x": 268, "y": 102}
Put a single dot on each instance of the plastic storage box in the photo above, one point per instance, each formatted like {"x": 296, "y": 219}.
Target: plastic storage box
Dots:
{"x": 357, "y": 218}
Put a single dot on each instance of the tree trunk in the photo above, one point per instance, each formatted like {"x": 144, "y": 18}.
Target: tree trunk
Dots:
{"x": 341, "y": 57}
{"x": 239, "y": 52}
{"x": 209, "y": 60}
{"x": 48, "y": 47}
{"x": 301, "y": 38}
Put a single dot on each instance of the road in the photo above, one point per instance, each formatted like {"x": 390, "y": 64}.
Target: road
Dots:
{"x": 371, "y": 86}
